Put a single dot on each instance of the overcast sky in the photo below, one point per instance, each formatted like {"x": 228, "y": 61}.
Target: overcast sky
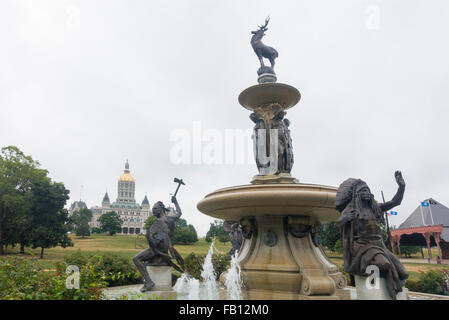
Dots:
{"x": 85, "y": 85}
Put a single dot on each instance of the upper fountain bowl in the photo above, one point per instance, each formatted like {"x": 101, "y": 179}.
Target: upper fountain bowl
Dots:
{"x": 269, "y": 93}
{"x": 292, "y": 199}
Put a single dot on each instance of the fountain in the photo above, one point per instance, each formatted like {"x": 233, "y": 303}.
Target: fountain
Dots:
{"x": 233, "y": 280}
{"x": 186, "y": 284}
{"x": 279, "y": 258}
{"x": 208, "y": 275}
{"x": 189, "y": 288}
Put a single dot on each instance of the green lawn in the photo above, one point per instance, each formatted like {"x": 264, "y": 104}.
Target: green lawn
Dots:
{"x": 414, "y": 268}
{"x": 129, "y": 245}
{"x": 125, "y": 245}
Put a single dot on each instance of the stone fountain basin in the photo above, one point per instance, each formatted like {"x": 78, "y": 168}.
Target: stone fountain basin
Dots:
{"x": 292, "y": 199}
{"x": 283, "y": 95}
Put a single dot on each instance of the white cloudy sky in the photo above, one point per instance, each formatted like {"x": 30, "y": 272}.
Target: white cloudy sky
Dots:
{"x": 85, "y": 85}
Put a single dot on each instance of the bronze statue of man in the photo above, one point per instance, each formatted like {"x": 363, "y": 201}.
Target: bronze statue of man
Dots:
{"x": 361, "y": 223}
{"x": 160, "y": 245}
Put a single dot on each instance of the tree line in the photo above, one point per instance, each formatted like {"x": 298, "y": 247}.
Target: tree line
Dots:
{"x": 32, "y": 210}
{"x": 109, "y": 222}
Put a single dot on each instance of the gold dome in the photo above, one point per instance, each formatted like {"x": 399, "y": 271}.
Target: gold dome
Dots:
{"x": 126, "y": 177}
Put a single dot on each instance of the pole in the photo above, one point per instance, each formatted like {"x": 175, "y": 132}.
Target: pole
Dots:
{"x": 386, "y": 218}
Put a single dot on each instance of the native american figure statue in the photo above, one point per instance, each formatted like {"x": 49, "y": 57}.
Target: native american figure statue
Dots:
{"x": 160, "y": 245}
{"x": 263, "y": 51}
{"x": 361, "y": 220}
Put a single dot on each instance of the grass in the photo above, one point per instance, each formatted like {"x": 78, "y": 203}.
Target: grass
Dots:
{"x": 128, "y": 246}
{"x": 414, "y": 268}
{"x": 125, "y": 245}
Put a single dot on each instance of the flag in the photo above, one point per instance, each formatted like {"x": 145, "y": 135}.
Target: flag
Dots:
{"x": 425, "y": 204}
{"x": 393, "y": 213}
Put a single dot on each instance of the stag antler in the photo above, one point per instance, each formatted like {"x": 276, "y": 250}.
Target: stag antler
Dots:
{"x": 264, "y": 27}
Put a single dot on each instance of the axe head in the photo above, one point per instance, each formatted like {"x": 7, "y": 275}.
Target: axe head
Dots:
{"x": 179, "y": 181}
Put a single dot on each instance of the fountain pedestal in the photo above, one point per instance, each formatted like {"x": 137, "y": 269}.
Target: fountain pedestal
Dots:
{"x": 367, "y": 291}
{"x": 162, "y": 278}
{"x": 278, "y": 258}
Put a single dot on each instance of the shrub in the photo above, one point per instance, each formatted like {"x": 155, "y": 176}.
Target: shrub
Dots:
{"x": 109, "y": 267}
{"x": 193, "y": 264}
{"x": 96, "y": 230}
{"x": 329, "y": 234}
{"x": 24, "y": 279}
{"x": 407, "y": 251}
{"x": 338, "y": 247}
{"x": 433, "y": 281}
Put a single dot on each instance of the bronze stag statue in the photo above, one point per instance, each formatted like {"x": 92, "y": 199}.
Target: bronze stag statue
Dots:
{"x": 262, "y": 50}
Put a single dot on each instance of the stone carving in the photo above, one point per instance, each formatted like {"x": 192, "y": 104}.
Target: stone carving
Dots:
{"x": 270, "y": 238}
{"x": 249, "y": 228}
{"x": 235, "y": 235}
{"x": 263, "y": 51}
{"x": 160, "y": 245}
{"x": 361, "y": 220}
{"x": 283, "y": 154}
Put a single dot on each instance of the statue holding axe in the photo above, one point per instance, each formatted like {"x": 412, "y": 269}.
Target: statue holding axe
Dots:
{"x": 160, "y": 251}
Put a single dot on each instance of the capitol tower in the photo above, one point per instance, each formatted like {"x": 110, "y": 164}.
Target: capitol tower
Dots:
{"x": 126, "y": 186}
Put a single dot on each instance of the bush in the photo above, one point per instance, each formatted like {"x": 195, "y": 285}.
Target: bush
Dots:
{"x": 96, "y": 230}
{"x": 338, "y": 247}
{"x": 433, "y": 281}
{"x": 24, "y": 279}
{"x": 329, "y": 234}
{"x": 193, "y": 264}
{"x": 110, "y": 267}
{"x": 407, "y": 251}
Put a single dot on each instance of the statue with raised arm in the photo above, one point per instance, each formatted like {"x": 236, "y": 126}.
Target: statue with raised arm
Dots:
{"x": 361, "y": 220}
{"x": 160, "y": 251}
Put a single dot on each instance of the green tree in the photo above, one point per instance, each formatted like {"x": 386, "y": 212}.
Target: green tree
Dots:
{"x": 329, "y": 234}
{"x": 216, "y": 230}
{"x": 110, "y": 222}
{"x": 48, "y": 217}
{"x": 31, "y": 205}
{"x": 148, "y": 223}
{"x": 18, "y": 172}
{"x": 184, "y": 233}
{"x": 81, "y": 219}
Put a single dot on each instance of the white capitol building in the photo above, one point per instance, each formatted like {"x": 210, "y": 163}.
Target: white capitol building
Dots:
{"x": 132, "y": 214}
